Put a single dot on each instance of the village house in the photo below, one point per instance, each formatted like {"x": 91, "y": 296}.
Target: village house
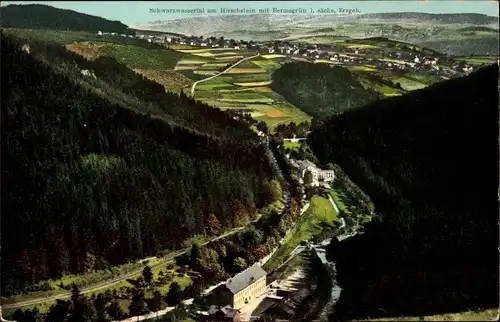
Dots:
{"x": 226, "y": 313}
{"x": 241, "y": 289}
{"x": 287, "y": 308}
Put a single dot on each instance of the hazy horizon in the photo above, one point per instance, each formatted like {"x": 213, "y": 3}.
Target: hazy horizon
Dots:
{"x": 140, "y": 13}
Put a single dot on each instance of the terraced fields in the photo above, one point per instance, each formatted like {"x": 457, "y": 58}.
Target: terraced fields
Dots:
{"x": 245, "y": 87}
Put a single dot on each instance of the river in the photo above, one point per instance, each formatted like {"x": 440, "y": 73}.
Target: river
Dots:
{"x": 333, "y": 296}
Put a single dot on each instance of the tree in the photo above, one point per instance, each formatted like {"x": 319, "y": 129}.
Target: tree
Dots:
{"x": 209, "y": 264}
{"x": 308, "y": 177}
{"x": 180, "y": 313}
{"x": 212, "y": 224}
{"x": 25, "y": 266}
{"x": 194, "y": 289}
{"x": 100, "y": 306}
{"x": 240, "y": 213}
{"x": 89, "y": 262}
{"x": 32, "y": 315}
{"x": 259, "y": 251}
{"x": 138, "y": 304}
{"x": 240, "y": 264}
{"x": 281, "y": 130}
{"x": 115, "y": 311}
{"x": 194, "y": 255}
{"x": 275, "y": 190}
{"x": 82, "y": 309}
{"x": 58, "y": 312}
{"x": 174, "y": 295}
{"x": 147, "y": 274}
{"x": 156, "y": 303}
{"x": 262, "y": 126}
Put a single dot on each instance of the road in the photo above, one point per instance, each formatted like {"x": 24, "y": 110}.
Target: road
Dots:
{"x": 223, "y": 72}
{"x": 124, "y": 277}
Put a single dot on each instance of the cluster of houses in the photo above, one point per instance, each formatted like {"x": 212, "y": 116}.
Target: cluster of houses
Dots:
{"x": 406, "y": 59}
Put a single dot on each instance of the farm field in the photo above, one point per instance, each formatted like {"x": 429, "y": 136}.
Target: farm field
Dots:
{"x": 245, "y": 88}
{"x": 478, "y": 60}
{"x": 269, "y": 64}
{"x": 407, "y": 83}
{"x": 362, "y": 68}
{"x": 272, "y": 56}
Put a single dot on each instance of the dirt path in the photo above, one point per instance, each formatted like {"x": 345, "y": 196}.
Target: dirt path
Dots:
{"x": 223, "y": 72}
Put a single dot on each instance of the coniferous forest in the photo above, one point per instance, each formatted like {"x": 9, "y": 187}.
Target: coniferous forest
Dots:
{"x": 95, "y": 176}
{"x": 39, "y": 16}
{"x": 321, "y": 91}
{"x": 429, "y": 161}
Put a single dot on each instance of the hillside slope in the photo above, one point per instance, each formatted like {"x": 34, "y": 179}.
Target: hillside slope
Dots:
{"x": 429, "y": 160}
{"x": 320, "y": 91}
{"x": 38, "y": 16}
{"x": 99, "y": 171}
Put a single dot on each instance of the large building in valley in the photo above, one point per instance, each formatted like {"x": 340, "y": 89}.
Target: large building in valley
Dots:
{"x": 242, "y": 288}
{"x": 304, "y": 166}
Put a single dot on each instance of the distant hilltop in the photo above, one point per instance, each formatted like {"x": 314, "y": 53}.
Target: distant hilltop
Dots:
{"x": 210, "y": 25}
{"x": 450, "y": 18}
{"x": 38, "y": 16}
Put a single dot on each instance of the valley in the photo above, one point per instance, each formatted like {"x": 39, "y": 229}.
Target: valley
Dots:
{"x": 297, "y": 169}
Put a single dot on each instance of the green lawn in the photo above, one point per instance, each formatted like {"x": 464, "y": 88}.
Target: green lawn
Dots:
{"x": 428, "y": 79}
{"x": 341, "y": 198}
{"x": 407, "y": 83}
{"x": 309, "y": 224}
{"x": 292, "y": 145}
{"x": 379, "y": 87}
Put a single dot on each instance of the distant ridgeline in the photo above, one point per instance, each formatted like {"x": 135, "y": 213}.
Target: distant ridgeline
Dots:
{"x": 321, "y": 91}
{"x": 449, "y": 18}
{"x": 37, "y": 16}
{"x": 429, "y": 160}
{"x": 110, "y": 168}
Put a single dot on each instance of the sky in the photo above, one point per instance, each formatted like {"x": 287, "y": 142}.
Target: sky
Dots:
{"x": 131, "y": 13}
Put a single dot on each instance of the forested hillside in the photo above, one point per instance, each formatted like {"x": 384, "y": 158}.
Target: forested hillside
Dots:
{"x": 39, "y": 16}
{"x": 320, "y": 91}
{"x": 429, "y": 160}
{"x": 95, "y": 175}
